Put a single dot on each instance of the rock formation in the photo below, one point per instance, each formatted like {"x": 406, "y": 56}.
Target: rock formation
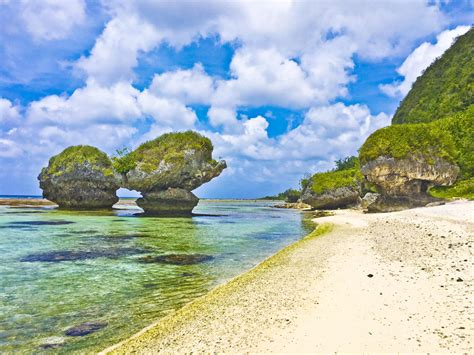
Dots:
{"x": 336, "y": 198}
{"x": 168, "y": 168}
{"x": 165, "y": 170}
{"x": 333, "y": 189}
{"x": 404, "y": 183}
{"x": 80, "y": 177}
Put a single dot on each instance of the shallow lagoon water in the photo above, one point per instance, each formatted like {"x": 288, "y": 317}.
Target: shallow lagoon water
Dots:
{"x": 111, "y": 272}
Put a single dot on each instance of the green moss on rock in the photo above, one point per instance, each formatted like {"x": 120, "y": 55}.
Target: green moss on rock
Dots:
{"x": 322, "y": 182}
{"x": 172, "y": 148}
{"x": 400, "y": 141}
{"x": 76, "y": 156}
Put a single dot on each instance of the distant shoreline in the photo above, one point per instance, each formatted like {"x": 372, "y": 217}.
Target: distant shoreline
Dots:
{"x": 376, "y": 283}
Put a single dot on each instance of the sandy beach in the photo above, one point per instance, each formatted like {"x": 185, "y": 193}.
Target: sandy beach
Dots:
{"x": 393, "y": 282}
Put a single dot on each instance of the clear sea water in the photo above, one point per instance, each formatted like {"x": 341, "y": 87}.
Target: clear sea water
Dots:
{"x": 55, "y": 276}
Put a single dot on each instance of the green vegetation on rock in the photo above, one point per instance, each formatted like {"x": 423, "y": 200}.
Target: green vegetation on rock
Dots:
{"x": 290, "y": 195}
{"x": 446, "y": 86}
{"x": 347, "y": 163}
{"x": 462, "y": 188}
{"x": 322, "y": 182}
{"x": 77, "y": 156}
{"x": 123, "y": 161}
{"x": 450, "y": 138}
{"x": 400, "y": 141}
{"x": 172, "y": 148}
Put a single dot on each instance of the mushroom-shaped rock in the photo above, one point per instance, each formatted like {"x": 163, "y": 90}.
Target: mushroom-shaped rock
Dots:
{"x": 404, "y": 183}
{"x": 80, "y": 177}
{"x": 405, "y": 161}
{"x": 333, "y": 189}
{"x": 165, "y": 170}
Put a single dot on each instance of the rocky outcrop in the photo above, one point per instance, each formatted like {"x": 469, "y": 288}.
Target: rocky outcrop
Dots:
{"x": 165, "y": 171}
{"x": 333, "y": 189}
{"x": 404, "y": 183}
{"x": 168, "y": 168}
{"x": 168, "y": 202}
{"x": 80, "y": 177}
{"x": 331, "y": 199}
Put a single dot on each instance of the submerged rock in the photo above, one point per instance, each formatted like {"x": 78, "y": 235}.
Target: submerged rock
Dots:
{"x": 85, "y": 329}
{"x": 80, "y": 177}
{"x": 177, "y": 259}
{"x": 52, "y": 343}
{"x": 75, "y": 255}
{"x": 41, "y": 223}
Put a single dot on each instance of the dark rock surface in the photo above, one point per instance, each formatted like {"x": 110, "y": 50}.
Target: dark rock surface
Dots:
{"x": 336, "y": 198}
{"x": 170, "y": 202}
{"x": 80, "y": 177}
{"x": 85, "y": 329}
{"x": 177, "y": 259}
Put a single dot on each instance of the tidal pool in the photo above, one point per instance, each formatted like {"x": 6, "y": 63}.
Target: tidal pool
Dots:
{"x": 82, "y": 281}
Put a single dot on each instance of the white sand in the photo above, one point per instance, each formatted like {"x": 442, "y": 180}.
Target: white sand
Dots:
{"x": 315, "y": 296}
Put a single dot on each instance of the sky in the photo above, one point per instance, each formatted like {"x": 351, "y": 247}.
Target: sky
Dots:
{"x": 282, "y": 88}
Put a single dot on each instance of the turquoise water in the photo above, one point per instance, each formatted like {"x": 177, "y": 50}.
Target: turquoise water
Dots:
{"x": 62, "y": 269}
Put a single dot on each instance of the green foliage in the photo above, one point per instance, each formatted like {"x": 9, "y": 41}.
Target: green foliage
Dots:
{"x": 172, "y": 147}
{"x": 123, "y": 161}
{"x": 76, "y": 156}
{"x": 322, "y": 182}
{"x": 399, "y": 141}
{"x": 290, "y": 195}
{"x": 347, "y": 163}
{"x": 462, "y": 188}
{"x": 449, "y": 138}
{"x": 446, "y": 86}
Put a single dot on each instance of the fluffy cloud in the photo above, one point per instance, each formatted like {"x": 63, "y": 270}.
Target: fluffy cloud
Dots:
{"x": 51, "y": 19}
{"x": 93, "y": 103}
{"x": 420, "y": 59}
{"x": 191, "y": 86}
{"x": 9, "y": 114}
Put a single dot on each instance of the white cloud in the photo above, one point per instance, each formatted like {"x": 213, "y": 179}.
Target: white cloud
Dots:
{"x": 167, "y": 112}
{"x": 9, "y": 149}
{"x": 191, "y": 86}
{"x": 91, "y": 104}
{"x": 115, "y": 52}
{"x": 52, "y": 19}
{"x": 420, "y": 59}
{"x": 9, "y": 114}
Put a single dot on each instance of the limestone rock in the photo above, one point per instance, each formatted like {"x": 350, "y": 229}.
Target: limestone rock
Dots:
{"x": 404, "y": 183}
{"x": 168, "y": 168}
{"x": 336, "y": 198}
{"x": 368, "y": 199}
{"x": 80, "y": 177}
{"x": 168, "y": 202}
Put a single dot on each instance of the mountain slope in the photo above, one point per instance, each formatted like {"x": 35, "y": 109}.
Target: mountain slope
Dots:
{"x": 446, "y": 86}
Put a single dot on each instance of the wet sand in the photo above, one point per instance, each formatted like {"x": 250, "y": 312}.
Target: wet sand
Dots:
{"x": 394, "y": 282}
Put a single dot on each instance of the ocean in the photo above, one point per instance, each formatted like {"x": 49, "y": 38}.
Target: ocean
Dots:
{"x": 82, "y": 281}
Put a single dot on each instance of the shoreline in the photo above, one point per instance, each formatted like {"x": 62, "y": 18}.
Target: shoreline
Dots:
{"x": 319, "y": 230}
{"x": 298, "y": 299}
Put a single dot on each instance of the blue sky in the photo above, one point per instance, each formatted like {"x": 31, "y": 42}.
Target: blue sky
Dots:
{"x": 282, "y": 88}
